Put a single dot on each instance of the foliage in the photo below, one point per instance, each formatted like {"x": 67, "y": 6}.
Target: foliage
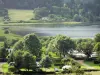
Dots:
{"x": 66, "y": 61}
{"x": 31, "y": 4}
{"x": 3, "y": 51}
{"x": 19, "y": 45}
{"x": 6, "y": 31}
{"x": 46, "y": 62}
{"x": 12, "y": 69}
{"x": 97, "y": 37}
{"x": 97, "y": 49}
{"x": 3, "y": 12}
{"x": 32, "y": 43}
{"x": 29, "y": 61}
{"x": 42, "y": 12}
{"x": 77, "y": 18}
{"x": 86, "y": 46}
{"x": 24, "y": 59}
{"x": 63, "y": 44}
{"x": 18, "y": 56}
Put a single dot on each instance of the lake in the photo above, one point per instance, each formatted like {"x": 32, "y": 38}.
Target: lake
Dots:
{"x": 74, "y": 31}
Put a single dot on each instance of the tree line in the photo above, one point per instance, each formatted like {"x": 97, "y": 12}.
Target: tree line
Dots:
{"x": 73, "y": 10}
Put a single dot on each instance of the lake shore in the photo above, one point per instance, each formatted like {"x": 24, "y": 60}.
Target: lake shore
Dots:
{"x": 49, "y": 23}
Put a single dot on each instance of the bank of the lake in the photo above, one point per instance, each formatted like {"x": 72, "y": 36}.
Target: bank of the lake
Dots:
{"x": 46, "y": 23}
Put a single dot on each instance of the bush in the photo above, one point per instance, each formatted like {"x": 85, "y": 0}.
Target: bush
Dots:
{"x": 2, "y": 38}
{"x": 12, "y": 69}
{"x": 6, "y": 32}
{"x": 96, "y": 61}
{"x": 79, "y": 72}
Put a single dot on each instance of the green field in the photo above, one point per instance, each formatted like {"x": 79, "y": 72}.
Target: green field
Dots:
{"x": 90, "y": 63}
{"x": 17, "y": 15}
{"x": 9, "y": 36}
{"x": 5, "y": 67}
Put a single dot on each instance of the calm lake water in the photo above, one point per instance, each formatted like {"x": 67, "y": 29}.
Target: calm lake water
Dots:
{"x": 75, "y": 31}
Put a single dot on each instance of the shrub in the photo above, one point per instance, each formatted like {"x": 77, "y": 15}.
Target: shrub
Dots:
{"x": 2, "y": 38}
{"x": 6, "y": 32}
{"x": 12, "y": 69}
{"x": 96, "y": 61}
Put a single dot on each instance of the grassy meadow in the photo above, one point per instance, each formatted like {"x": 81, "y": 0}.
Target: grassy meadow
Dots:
{"x": 9, "y": 36}
{"x": 17, "y": 15}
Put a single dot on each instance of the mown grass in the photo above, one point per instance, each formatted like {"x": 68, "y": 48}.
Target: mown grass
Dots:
{"x": 1, "y": 19}
{"x": 17, "y": 15}
{"x": 90, "y": 63}
{"x": 5, "y": 67}
{"x": 95, "y": 73}
{"x": 1, "y": 44}
{"x": 9, "y": 36}
{"x": 72, "y": 23}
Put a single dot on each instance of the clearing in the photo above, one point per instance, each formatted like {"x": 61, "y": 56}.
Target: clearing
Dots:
{"x": 16, "y": 14}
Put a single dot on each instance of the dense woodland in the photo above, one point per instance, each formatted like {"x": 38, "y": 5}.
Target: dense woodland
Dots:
{"x": 58, "y": 10}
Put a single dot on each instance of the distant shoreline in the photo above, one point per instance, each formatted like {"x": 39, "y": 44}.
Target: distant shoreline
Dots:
{"x": 49, "y": 23}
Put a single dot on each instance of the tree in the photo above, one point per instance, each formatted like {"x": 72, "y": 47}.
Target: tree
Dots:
{"x": 29, "y": 61}
{"x": 6, "y": 32}
{"x": 6, "y": 18}
{"x": 77, "y": 18}
{"x": 23, "y": 59}
{"x": 86, "y": 46}
{"x": 46, "y": 62}
{"x": 18, "y": 59}
{"x": 32, "y": 43}
{"x": 97, "y": 37}
{"x": 64, "y": 44}
{"x": 19, "y": 45}
{"x": 97, "y": 49}
{"x": 3, "y": 51}
{"x": 41, "y": 12}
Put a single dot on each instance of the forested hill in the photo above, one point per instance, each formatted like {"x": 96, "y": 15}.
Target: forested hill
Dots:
{"x": 30, "y": 4}
{"x": 66, "y": 10}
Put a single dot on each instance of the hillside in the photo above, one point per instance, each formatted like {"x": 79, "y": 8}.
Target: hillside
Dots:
{"x": 16, "y": 15}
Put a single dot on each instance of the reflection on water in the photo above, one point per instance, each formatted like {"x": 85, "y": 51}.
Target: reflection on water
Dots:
{"x": 84, "y": 31}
